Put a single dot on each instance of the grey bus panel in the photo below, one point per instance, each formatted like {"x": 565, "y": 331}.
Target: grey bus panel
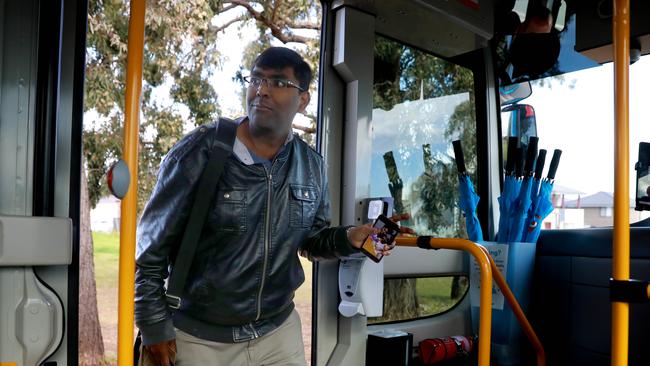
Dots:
{"x": 35, "y": 241}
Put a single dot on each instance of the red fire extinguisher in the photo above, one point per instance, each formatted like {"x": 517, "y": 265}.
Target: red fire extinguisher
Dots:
{"x": 436, "y": 350}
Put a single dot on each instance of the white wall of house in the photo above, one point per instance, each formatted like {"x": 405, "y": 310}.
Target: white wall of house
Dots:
{"x": 105, "y": 217}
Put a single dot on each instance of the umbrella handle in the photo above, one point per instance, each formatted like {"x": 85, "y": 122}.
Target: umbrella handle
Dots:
{"x": 512, "y": 152}
{"x": 460, "y": 157}
{"x": 539, "y": 167}
{"x": 554, "y": 163}
{"x": 531, "y": 155}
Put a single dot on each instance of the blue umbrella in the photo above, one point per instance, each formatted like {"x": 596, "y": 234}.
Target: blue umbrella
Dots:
{"x": 534, "y": 192}
{"x": 523, "y": 201}
{"x": 543, "y": 207}
{"x": 509, "y": 192}
{"x": 543, "y": 203}
{"x": 468, "y": 199}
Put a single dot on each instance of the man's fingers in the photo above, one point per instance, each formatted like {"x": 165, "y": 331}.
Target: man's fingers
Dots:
{"x": 407, "y": 230}
{"x": 160, "y": 353}
{"x": 400, "y": 217}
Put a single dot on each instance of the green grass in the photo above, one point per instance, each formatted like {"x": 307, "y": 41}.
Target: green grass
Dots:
{"x": 434, "y": 294}
{"x": 107, "y": 256}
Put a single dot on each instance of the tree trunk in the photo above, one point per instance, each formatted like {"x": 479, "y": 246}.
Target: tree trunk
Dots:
{"x": 400, "y": 299}
{"x": 91, "y": 344}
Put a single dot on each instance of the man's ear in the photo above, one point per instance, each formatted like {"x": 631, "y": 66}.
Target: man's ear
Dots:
{"x": 304, "y": 101}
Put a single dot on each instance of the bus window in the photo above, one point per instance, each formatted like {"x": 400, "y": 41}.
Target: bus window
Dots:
{"x": 421, "y": 103}
{"x": 574, "y": 114}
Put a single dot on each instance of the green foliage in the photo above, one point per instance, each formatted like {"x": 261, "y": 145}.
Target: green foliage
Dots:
{"x": 180, "y": 55}
{"x": 402, "y": 73}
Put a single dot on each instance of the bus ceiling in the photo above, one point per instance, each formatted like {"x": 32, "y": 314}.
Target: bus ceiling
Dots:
{"x": 576, "y": 36}
{"x": 444, "y": 28}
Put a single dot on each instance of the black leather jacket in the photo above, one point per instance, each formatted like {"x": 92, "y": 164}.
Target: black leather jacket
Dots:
{"x": 246, "y": 269}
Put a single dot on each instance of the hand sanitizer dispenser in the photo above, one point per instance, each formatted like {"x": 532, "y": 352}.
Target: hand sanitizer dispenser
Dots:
{"x": 361, "y": 285}
{"x": 361, "y": 281}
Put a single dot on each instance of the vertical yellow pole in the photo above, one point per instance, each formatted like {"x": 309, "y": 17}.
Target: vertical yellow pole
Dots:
{"x": 621, "y": 252}
{"x": 129, "y": 203}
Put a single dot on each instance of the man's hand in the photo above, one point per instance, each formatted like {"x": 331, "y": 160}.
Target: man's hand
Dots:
{"x": 163, "y": 353}
{"x": 356, "y": 235}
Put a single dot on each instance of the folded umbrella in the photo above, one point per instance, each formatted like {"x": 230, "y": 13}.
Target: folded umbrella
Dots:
{"x": 537, "y": 178}
{"x": 468, "y": 199}
{"x": 509, "y": 192}
{"x": 543, "y": 202}
{"x": 523, "y": 201}
{"x": 534, "y": 192}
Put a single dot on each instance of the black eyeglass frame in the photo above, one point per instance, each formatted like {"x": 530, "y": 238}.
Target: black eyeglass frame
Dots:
{"x": 272, "y": 83}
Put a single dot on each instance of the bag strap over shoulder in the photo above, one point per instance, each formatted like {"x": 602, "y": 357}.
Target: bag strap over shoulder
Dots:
{"x": 226, "y": 133}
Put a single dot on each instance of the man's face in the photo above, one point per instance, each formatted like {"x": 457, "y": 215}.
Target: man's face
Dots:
{"x": 272, "y": 108}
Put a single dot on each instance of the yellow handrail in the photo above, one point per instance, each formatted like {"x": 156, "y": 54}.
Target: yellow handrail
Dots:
{"x": 516, "y": 309}
{"x": 129, "y": 203}
{"x": 621, "y": 250}
{"x": 487, "y": 269}
{"x": 485, "y": 320}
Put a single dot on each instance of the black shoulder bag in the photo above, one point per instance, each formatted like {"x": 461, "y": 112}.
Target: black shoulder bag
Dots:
{"x": 226, "y": 132}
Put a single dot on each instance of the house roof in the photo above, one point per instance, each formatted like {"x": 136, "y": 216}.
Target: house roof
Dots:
{"x": 565, "y": 190}
{"x": 600, "y": 199}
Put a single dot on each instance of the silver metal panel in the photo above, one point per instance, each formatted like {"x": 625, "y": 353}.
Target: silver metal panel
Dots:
{"x": 353, "y": 59}
{"x": 332, "y": 94}
{"x": 406, "y": 262}
{"x": 18, "y": 76}
{"x": 64, "y": 120}
{"x": 34, "y": 327}
{"x": 35, "y": 241}
{"x": 494, "y": 171}
{"x": 3, "y": 6}
{"x": 57, "y": 276}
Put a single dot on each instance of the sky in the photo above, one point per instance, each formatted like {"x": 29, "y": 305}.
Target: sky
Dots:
{"x": 580, "y": 122}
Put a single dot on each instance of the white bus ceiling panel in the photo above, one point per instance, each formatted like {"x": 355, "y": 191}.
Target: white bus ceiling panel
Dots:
{"x": 446, "y": 28}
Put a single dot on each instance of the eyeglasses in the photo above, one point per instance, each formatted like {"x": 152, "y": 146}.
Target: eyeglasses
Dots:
{"x": 256, "y": 82}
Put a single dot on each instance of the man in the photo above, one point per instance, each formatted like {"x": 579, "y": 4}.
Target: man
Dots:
{"x": 271, "y": 202}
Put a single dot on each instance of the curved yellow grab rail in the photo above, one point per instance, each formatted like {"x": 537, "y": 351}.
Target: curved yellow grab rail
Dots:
{"x": 485, "y": 320}
{"x": 621, "y": 250}
{"x": 129, "y": 203}
{"x": 516, "y": 309}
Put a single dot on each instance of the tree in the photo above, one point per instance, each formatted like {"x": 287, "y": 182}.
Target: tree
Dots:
{"x": 91, "y": 344}
{"x": 180, "y": 55}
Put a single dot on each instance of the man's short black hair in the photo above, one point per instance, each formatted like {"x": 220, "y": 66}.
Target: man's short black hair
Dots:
{"x": 281, "y": 57}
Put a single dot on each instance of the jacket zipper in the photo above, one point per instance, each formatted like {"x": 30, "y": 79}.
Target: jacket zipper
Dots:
{"x": 267, "y": 236}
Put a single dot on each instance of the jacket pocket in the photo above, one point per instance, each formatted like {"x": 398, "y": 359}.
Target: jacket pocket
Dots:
{"x": 303, "y": 205}
{"x": 229, "y": 213}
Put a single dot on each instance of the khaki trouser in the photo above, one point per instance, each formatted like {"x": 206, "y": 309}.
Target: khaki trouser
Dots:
{"x": 283, "y": 346}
